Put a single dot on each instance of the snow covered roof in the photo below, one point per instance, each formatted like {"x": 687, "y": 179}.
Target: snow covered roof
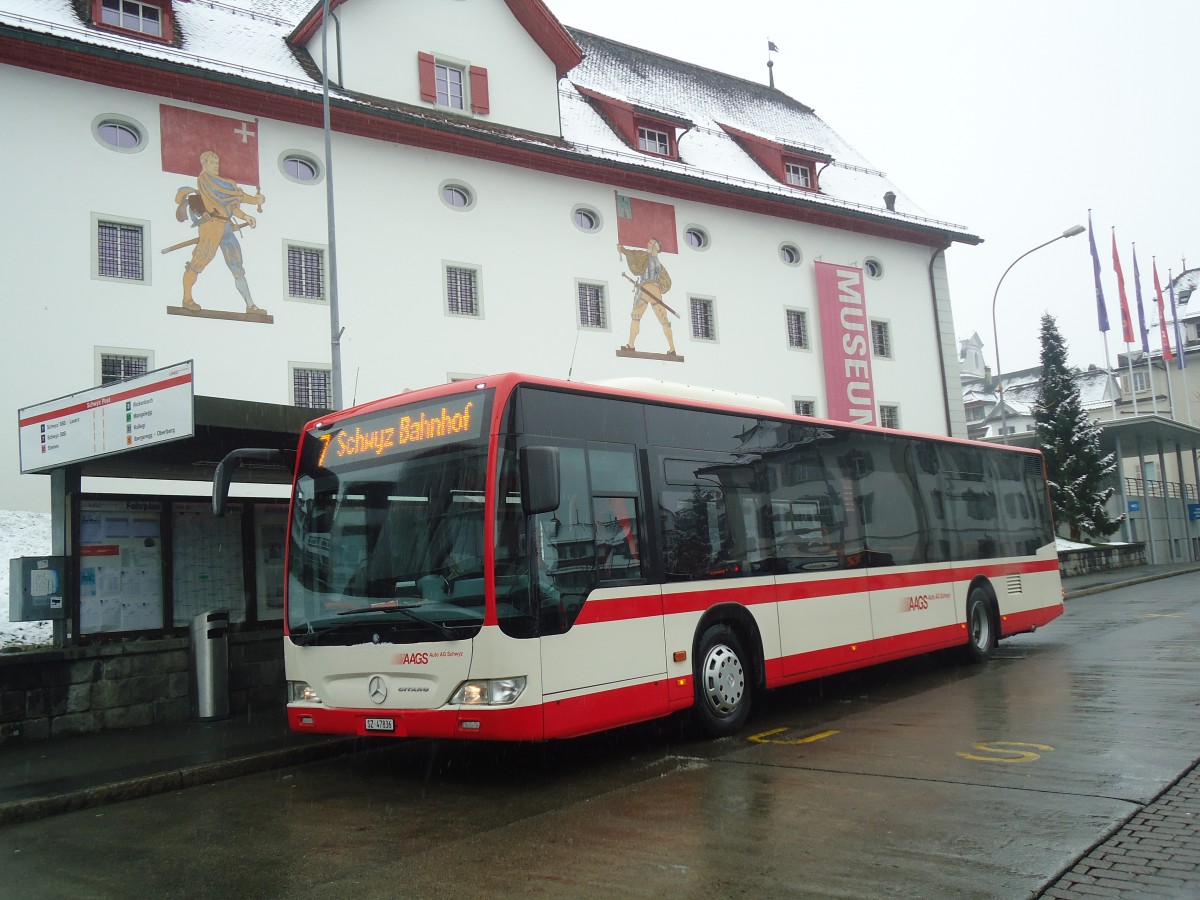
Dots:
{"x": 1020, "y": 396}
{"x": 247, "y": 42}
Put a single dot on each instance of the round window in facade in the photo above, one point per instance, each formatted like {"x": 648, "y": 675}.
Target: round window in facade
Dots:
{"x": 119, "y": 133}
{"x": 457, "y": 195}
{"x": 302, "y": 168}
{"x": 790, "y": 254}
{"x": 585, "y": 218}
{"x": 873, "y": 268}
{"x": 697, "y": 238}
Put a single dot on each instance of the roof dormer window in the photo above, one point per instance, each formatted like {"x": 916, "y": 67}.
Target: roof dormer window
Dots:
{"x": 798, "y": 174}
{"x": 652, "y": 130}
{"x": 144, "y": 18}
{"x": 794, "y": 165}
{"x": 652, "y": 140}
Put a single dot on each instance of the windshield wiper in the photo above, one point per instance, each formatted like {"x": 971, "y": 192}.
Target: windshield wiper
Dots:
{"x": 406, "y": 611}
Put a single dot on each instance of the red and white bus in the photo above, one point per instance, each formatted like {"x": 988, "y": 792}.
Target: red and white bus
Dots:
{"x": 518, "y": 558}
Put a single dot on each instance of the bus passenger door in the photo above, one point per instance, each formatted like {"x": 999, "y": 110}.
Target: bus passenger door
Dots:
{"x": 603, "y": 656}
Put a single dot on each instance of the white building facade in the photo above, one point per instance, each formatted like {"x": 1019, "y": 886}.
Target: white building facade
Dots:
{"x": 501, "y": 184}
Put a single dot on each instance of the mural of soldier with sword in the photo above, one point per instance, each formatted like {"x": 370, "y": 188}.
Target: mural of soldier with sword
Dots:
{"x": 652, "y": 282}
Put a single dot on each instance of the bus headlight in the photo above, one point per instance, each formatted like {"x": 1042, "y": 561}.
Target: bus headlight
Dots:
{"x": 489, "y": 692}
{"x": 301, "y": 692}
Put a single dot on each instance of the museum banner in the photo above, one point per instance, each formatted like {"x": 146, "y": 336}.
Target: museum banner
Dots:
{"x": 845, "y": 344}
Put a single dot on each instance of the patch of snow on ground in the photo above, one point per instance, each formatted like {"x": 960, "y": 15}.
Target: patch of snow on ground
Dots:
{"x": 21, "y": 534}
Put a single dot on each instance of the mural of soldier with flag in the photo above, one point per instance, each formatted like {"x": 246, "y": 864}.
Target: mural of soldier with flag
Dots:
{"x": 214, "y": 206}
{"x": 638, "y": 223}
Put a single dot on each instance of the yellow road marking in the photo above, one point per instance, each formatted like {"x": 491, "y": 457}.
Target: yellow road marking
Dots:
{"x": 1002, "y": 753}
{"x": 766, "y": 737}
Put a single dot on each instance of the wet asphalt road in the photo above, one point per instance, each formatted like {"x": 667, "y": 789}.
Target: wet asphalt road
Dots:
{"x": 924, "y": 778}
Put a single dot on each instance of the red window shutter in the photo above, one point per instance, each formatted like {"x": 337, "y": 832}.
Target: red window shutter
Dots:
{"x": 479, "y": 91}
{"x": 426, "y": 75}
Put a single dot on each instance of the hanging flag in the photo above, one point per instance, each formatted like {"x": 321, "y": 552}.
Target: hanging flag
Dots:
{"x": 1126, "y": 322}
{"x": 1162, "y": 318}
{"x": 1141, "y": 310}
{"x": 640, "y": 220}
{"x": 1175, "y": 319}
{"x": 186, "y": 133}
{"x": 771, "y": 48}
{"x": 1101, "y": 312}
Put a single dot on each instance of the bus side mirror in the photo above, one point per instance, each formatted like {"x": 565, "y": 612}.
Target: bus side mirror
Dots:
{"x": 539, "y": 480}
{"x": 224, "y": 472}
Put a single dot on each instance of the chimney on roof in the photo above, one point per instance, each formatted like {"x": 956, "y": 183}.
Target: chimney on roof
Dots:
{"x": 889, "y": 200}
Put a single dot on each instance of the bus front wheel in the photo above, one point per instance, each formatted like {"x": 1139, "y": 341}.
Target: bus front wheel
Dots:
{"x": 981, "y": 626}
{"x": 723, "y": 689}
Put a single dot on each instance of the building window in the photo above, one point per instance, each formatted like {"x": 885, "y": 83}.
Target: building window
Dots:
{"x": 305, "y": 272}
{"x": 120, "y": 250}
{"x": 462, "y": 291}
{"x": 881, "y": 339}
{"x": 873, "y": 268}
{"x": 593, "y": 311}
{"x": 299, "y": 167}
{"x": 116, "y": 364}
{"x": 889, "y": 416}
{"x": 1141, "y": 382}
{"x": 697, "y": 238}
{"x": 804, "y": 407}
{"x": 453, "y": 84}
{"x": 457, "y": 196}
{"x": 790, "y": 254}
{"x": 132, "y": 15}
{"x": 797, "y": 175}
{"x": 312, "y": 387}
{"x": 448, "y": 81}
{"x": 651, "y": 140}
{"x": 119, "y": 133}
{"x": 797, "y": 329}
{"x": 704, "y": 324}
{"x": 585, "y": 218}
{"x": 975, "y": 413}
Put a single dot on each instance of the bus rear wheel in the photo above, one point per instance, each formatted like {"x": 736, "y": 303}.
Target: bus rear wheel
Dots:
{"x": 723, "y": 688}
{"x": 981, "y": 626}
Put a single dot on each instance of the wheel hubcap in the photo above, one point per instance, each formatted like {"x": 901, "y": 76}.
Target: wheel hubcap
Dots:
{"x": 724, "y": 680}
{"x": 981, "y": 626}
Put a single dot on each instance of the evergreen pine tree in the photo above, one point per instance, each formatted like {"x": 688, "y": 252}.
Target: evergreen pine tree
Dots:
{"x": 1071, "y": 443}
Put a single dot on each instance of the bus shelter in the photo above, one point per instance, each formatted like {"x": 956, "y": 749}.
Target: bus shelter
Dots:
{"x": 136, "y": 526}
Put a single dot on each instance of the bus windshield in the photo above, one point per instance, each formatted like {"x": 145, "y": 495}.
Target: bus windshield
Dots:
{"x": 386, "y": 538}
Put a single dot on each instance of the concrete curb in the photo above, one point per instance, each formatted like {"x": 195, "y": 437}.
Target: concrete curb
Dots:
{"x": 1128, "y": 582}
{"x": 171, "y": 780}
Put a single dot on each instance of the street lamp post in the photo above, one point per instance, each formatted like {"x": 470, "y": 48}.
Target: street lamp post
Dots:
{"x": 1070, "y": 232}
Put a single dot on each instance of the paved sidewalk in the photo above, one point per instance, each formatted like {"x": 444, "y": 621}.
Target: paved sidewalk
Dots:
{"x": 1155, "y": 854}
{"x": 43, "y": 778}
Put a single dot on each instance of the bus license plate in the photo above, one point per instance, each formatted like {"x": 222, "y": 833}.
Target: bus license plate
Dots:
{"x": 381, "y": 724}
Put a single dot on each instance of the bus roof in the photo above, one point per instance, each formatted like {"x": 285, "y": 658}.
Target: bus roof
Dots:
{"x": 644, "y": 389}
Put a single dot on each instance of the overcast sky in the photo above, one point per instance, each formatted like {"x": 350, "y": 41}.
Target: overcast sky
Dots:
{"x": 1012, "y": 119}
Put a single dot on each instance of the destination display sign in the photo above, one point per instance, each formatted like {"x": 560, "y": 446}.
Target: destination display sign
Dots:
{"x": 405, "y": 428}
{"x": 150, "y": 409}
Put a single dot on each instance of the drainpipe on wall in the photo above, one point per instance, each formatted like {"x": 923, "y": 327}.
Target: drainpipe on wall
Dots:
{"x": 941, "y": 353}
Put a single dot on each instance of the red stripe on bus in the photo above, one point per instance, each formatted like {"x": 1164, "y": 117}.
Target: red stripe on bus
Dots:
{"x": 585, "y": 714}
{"x": 620, "y": 609}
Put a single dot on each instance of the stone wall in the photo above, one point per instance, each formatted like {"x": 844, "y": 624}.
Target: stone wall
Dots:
{"x": 1100, "y": 559}
{"x": 52, "y": 693}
